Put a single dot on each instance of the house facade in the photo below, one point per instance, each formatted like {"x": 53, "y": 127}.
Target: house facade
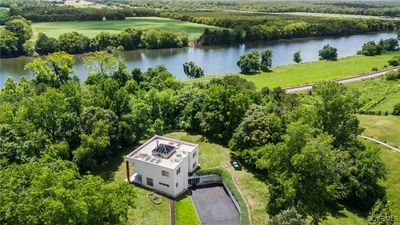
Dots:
{"x": 163, "y": 164}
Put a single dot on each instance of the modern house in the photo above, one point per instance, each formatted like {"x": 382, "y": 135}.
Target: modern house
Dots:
{"x": 163, "y": 164}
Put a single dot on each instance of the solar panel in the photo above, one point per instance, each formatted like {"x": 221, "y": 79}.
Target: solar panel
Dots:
{"x": 163, "y": 150}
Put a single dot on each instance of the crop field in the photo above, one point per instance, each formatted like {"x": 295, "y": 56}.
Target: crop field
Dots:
{"x": 91, "y": 28}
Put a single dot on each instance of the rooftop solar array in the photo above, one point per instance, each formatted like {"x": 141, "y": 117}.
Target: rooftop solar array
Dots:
{"x": 163, "y": 150}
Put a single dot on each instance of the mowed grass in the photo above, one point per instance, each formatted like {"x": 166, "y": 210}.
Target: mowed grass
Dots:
{"x": 91, "y": 28}
{"x": 383, "y": 128}
{"x": 185, "y": 212}
{"x": 313, "y": 72}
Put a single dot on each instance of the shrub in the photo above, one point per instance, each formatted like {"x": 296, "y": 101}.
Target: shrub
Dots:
{"x": 374, "y": 69}
{"x": 396, "y": 109}
{"x": 395, "y": 61}
{"x": 394, "y": 75}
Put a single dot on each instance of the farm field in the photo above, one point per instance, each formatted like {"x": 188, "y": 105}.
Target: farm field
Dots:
{"x": 313, "y": 72}
{"x": 91, "y": 28}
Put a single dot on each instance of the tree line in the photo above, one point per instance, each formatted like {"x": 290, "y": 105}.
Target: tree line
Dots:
{"x": 255, "y": 27}
{"x": 53, "y": 126}
{"x": 45, "y": 12}
{"x": 16, "y": 35}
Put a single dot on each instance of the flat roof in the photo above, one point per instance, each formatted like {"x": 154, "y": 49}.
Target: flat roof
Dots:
{"x": 144, "y": 152}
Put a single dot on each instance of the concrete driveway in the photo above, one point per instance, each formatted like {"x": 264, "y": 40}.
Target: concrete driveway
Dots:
{"x": 214, "y": 206}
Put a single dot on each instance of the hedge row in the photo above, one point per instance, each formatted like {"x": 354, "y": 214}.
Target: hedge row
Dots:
{"x": 228, "y": 180}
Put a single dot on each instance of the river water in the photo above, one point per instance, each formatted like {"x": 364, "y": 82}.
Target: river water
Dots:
{"x": 215, "y": 60}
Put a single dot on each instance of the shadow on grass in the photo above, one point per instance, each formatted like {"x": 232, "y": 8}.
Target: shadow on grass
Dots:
{"x": 109, "y": 168}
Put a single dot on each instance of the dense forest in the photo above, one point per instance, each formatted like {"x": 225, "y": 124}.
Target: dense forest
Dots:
{"x": 255, "y": 27}
{"x": 44, "y": 12}
{"x": 54, "y": 129}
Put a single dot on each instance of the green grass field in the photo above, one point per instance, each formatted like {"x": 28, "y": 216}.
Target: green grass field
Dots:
{"x": 312, "y": 72}
{"x": 378, "y": 94}
{"x": 91, "y": 28}
{"x": 383, "y": 128}
{"x": 186, "y": 212}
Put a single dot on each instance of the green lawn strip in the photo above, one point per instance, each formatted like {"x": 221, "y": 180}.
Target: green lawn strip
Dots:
{"x": 185, "y": 212}
{"x": 313, "y": 72}
{"x": 383, "y": 128}
{"x": 228, "y": 180}
{"x": 91, "y": 28}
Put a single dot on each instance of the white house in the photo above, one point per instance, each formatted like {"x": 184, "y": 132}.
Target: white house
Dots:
{"x": 163, "y": 164}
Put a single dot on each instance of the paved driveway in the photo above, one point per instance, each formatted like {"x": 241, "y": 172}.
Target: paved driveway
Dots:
{"x": 214, "y": 206}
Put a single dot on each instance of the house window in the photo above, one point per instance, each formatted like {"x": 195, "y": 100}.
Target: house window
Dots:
{"x": 178, "y": 171}
{"x": 194, "y": 165}
{"x": 163, "y": 184}
{"x": 176, "y": 184}
{"x": 194, "y": 154}
{"x": 164, "y": 173}
{"x": 149, "y": 181}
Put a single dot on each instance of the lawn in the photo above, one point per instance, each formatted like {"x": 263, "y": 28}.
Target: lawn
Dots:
{"x": 91, "y": 28}
{"x": 313, "y": 72}
{"x": 185, "y": 212}
{"x": 383, "y": 128}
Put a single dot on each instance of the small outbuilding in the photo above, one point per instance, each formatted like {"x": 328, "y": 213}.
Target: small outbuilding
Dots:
{"x": 163, "y": 164}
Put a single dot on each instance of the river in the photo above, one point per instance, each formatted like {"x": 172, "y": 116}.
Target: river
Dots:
{"x": 215, "y": 60}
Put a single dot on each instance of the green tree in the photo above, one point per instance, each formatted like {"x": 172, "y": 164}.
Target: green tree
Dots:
{"x": 73, "y": 43}
{"x": 258, "y": 127}
{"x": 131, "y": 38}
{"x": 55, "y": 192}
{"x": 390, "y": 44}
{"x": 297, "y": 57}
{"x": 104, "y": 40}
{"x": 301, "y": 165}
{"x": 94, "y": 146}
{"x": 287, "y": 217}
{"x": 250, "y": 62}
{"x": 192, "y": 70}
{"x": 335, "y": 106}
{"x": 61, "y": 63}
{"x": 328, "y": 53}
{"x": 8, "y": 43}
{"x": 266, "y": 60}
{"x": 22, "y": 30}
{"x": 370, "y": 49}
{"x": 45, "y": 45}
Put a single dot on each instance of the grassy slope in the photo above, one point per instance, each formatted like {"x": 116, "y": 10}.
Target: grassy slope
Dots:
{"x": 387, "y": 128}
{"x": 91, "y": 28}
{"x": 389, "y": 103}
{"x": 312, "y": 72}
{"x": 374, "y": 90}
{"x": 384, "y": 128}
{"x": 186, "y": 212}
